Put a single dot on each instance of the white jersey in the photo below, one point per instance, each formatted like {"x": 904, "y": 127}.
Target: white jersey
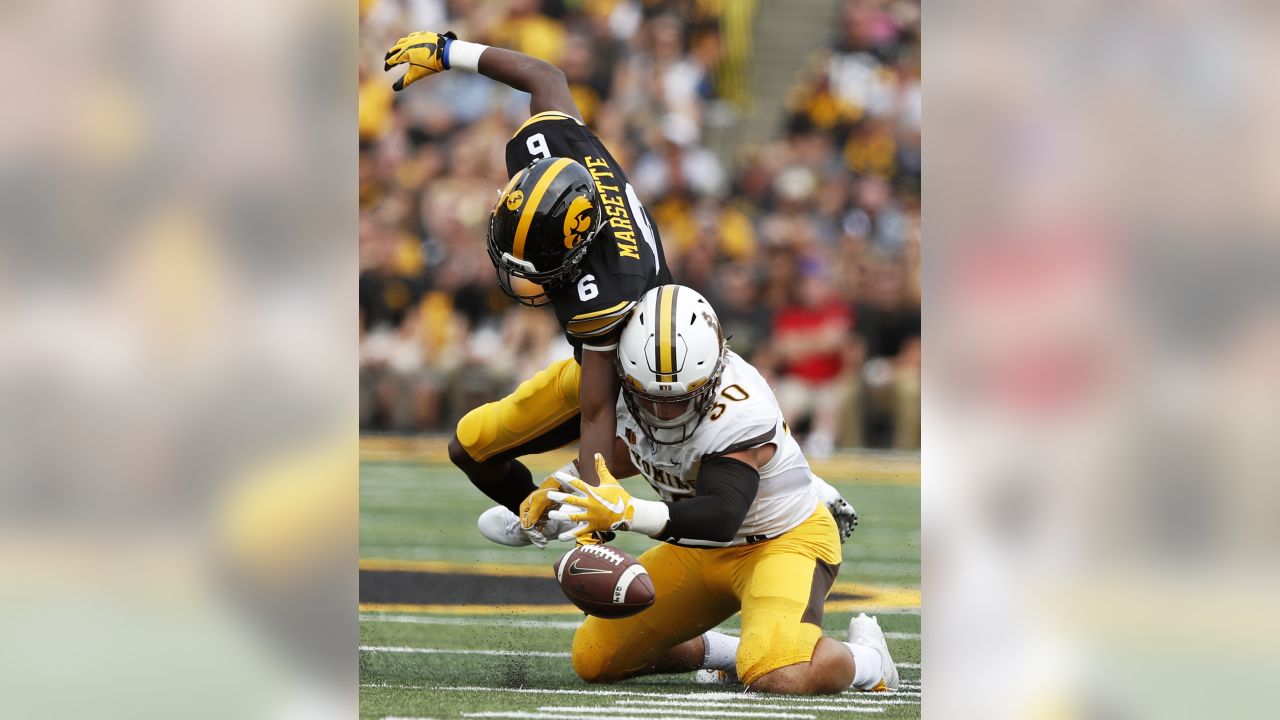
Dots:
{"x": 743, "y": 415}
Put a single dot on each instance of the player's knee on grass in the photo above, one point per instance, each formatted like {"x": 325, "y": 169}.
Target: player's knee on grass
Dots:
{"x": 593, "y": 659}
{"x": 773, "y": 640}
{"x": 829, "y": 671}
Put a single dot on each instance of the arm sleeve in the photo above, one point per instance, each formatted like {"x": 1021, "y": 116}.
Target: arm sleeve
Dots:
{"x": 726, "y": 488}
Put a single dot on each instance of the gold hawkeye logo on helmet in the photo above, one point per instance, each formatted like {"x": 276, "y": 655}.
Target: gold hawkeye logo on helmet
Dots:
{"x": 577, "y": 221}
{"x": 514, "y": 200}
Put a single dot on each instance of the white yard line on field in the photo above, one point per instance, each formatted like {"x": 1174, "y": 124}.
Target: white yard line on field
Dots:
{"x": 555, "y": 716}
{"x": 496, "y": 621}
{"x": 794, "y": 702}
{"x": 459, "y": 651}
{"x": 677, "y": 706}
{"x": 538, "y": 624}
{"x": 601, "y": 710}
{"x": 701, "y": 697}
{"x": 710, "y": 695}
{"x": 901, "y": 697}
{"x": 889, "y": 635}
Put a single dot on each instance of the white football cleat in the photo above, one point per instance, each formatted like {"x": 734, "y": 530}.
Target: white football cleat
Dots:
{"x": 502, "y": 526}
{"x": 866, "y": 631}
{"x": 715, "y": 677}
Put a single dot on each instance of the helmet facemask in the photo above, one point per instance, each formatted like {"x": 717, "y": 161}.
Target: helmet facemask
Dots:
{"x": 546, "y": 284}
{"x": 672, "y": 426}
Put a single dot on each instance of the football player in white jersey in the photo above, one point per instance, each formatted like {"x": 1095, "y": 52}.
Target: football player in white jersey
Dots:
{"x": 744, "y": 521}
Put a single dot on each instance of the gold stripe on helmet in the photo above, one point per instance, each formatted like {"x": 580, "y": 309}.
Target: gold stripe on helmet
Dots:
{"x": 531, "y": 205}
{"x": 666, "y": 335}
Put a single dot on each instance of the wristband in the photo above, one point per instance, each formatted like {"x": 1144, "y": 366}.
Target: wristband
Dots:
{"x": 651, "y": 517}
{"x": 463, "y": 55}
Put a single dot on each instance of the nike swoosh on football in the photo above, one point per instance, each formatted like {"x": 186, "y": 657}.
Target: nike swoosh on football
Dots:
{"x": 616, "y": 508}
{"x": 575, "y": 570}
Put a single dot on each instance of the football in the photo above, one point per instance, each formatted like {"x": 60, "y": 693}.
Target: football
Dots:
{"x": 604, "y": 581}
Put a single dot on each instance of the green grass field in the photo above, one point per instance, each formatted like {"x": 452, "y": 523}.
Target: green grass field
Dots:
{"x": 430, "y": 649}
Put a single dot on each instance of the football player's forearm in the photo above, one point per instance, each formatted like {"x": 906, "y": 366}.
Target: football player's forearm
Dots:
{"x": 597, "y": 437}
{"x": 702, "y": 518}
{"x": 546, "y": 84}
{"x": 726, "y": 489}
{"x": 598, "y": 398}
{"x": 621, "y": 465}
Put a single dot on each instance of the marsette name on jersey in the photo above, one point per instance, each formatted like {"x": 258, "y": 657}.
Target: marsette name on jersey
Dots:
{"x": 615, "y": 206}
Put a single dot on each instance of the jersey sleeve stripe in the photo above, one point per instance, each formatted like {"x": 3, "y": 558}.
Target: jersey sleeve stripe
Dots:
{"x": 747, "y": 444}
{"x": 542, "y": 116}
{"x": 593, "y": 326}
{"x": 621, "y": 307}
{"x": 531, "y": 205}
{"x": 599, "y": 327}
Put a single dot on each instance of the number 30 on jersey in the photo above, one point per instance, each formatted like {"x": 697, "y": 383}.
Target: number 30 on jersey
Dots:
{"x": 733, "y": 392}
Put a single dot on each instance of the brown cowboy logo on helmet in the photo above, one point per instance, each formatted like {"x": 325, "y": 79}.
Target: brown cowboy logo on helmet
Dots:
{"x": 577, "y": 221}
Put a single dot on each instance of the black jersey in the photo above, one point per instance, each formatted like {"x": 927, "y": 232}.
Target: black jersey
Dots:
{"x": 625, "y": 259}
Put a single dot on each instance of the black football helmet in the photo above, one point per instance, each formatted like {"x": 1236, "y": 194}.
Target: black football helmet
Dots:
{"x": 539, "y": 231}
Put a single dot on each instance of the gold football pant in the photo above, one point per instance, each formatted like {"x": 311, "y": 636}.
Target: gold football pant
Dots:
{"x": 535, "y": 418}
{"x": 780, "y": 586}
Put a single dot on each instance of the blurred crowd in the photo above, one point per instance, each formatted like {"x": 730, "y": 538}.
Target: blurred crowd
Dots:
{"x": 808, "y": 244}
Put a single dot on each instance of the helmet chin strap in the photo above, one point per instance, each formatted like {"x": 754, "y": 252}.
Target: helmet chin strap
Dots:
{"x": 674, "y": 423}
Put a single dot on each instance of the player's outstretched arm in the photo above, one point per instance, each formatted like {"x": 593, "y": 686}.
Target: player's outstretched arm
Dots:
{"x": 546, "y": 84}
{"x": 427, "y": 53}
{"x": 598, "y": 399}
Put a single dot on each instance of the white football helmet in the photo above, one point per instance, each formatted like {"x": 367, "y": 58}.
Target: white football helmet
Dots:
{"x": 670, "y": 358}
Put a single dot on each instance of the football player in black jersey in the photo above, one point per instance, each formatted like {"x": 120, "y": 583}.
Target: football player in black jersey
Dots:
{"x": 567, "y": 231}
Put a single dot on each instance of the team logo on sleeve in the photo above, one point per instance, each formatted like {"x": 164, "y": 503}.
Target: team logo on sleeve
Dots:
{"x": 577, "y": 221}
